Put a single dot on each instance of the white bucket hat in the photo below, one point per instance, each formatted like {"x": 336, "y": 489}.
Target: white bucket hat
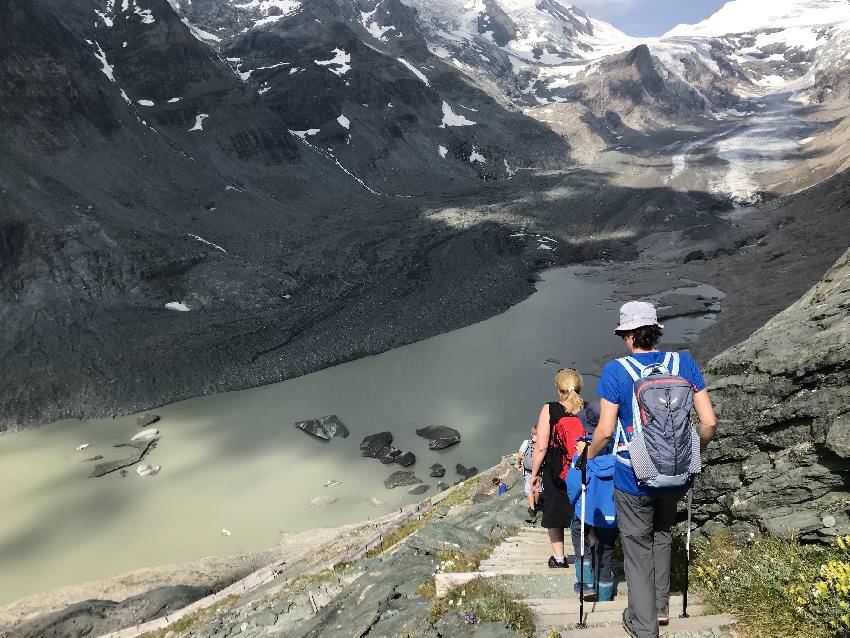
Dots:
{"x": 635, "y": 314}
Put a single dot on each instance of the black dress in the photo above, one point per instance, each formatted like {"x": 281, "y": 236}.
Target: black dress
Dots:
{"x": 557, "y": 509}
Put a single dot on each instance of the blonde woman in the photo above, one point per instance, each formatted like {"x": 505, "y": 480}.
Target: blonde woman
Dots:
{"x": 560, "y": 425}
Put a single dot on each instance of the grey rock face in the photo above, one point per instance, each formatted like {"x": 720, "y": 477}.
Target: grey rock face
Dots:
{"x": 401, "y": 479}
{"x": 438, "y": 471}
{"x": 325, "y": 428}
{"x": 440, "y": 436}
{"x": 98, "y": 617}
{"x": 780, "y": 462}
{"x": 376, "y": 445}
{"x": 406, "y": 460}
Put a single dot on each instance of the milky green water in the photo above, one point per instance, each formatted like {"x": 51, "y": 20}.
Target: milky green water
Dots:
{"x": 235, "y": 461}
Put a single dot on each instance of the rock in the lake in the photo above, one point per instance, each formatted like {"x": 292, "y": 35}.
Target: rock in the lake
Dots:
{"x": 442, "y": 486}
{"x": 466, "y": 472}
{"x": 332, "y": 483}
{"x": 322, "y": 501}
{"x": 325, "y": 428}
{"x": 83, "y": 446}
{"x": 401, "y": 479}
{"x": 554, "y": 362}
{"x": 376, "y": 445}
{"x": 376, "y": 502}
{"x": 387, "y": 460}
{"x": 141, "y": 449}
{"x": 145, "y": 435}
{"x": 144, "y": 420}
{"x": 93, "y": 458}
{"x": 438, "y": 471}
{"x": 406, "y": 460}
{"x": 390, "y": 455}
{"x": 419, "y": 489}
{"x": 148, "y": 470}
{"x": 440, "y": 436}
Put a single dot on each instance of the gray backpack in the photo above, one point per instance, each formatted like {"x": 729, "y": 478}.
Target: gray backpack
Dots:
{"x": 528, "y": 456}
{"x": 664, "y": 448}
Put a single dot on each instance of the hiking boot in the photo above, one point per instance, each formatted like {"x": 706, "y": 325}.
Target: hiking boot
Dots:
{"x": 556, "y": 564}
{"x": 627, "y": 624}
{"x": 532, "y": 516}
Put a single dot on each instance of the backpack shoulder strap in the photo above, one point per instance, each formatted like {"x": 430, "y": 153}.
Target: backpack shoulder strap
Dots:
{"x": 627, "y": 363}
{"x": 675, "y": 360}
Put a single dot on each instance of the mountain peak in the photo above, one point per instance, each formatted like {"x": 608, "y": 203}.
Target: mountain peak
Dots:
{"x": 743, "y": 16}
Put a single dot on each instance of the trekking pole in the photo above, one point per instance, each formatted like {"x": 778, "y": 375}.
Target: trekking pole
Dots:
{"x": 687, "y": 555}
{"x": 583, "y": 461}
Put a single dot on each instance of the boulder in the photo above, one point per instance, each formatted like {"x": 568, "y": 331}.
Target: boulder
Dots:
{"x": 439, "y": 436}
{"x": 390, "y": 455}
{"x": 147, "y": 470}
{"x": 96, "y": 457}
{"x": 466, "y": 472}
{"x": 141, "y": 449}
{"x": 324, "y": 428}
{"x": 442, "y": 486}
{"x": 144, "y": 420}
{"x": 376, "y": 502}
{"x": 438, "y": 471}
{"x": 695, "y": 255}
{"x": 419, "y": 489}
{"x": 322, "y": 501}
{"x": 401, "y": 479}
{"x": 406, "y": 460}
{"x": 376, "y": 445}
{"x": 145, "y": 435}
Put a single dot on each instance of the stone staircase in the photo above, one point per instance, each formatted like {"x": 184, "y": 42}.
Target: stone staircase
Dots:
{"x": 520, "y": 565}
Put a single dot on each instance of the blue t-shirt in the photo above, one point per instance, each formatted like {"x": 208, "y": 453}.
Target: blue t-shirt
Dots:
{"x": 616, "y": 386}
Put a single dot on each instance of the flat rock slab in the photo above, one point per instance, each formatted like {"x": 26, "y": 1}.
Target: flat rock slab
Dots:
{"x": 466, "y": 472}
{"x": 419, "y": 489}
{"x": 142, "y": 448}
{"x": 438, "y": 471}
{"x": 322, "y": 501}
{"x": 144, "y": 420}
{"x": 325, "y": 428}
{"x": 401, "y": 479}
{"x": 406, "y": 460}
{"x": 440, "y": 436}
{"x": 376, "y": 445}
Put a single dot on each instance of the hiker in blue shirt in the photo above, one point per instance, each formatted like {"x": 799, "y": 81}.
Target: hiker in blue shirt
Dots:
{"x": 601, "y": 519}
{"x": 644, "y": 514}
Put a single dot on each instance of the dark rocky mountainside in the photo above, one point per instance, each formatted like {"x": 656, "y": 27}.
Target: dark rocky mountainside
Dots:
{"x": 780, "y": 463}
{"x": 141, "y": 169}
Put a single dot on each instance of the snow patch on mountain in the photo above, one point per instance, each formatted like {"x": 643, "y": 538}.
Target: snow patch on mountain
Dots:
{"x": 340, "y": 64}
{"x": 415, "y": 71}
{"x": 199, "y": 122}
{"x": 450, "y": 118}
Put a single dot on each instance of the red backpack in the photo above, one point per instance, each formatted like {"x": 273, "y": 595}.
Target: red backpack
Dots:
{"x": 564, "y": 431}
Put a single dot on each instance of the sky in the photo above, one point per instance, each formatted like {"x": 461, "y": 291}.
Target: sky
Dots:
{"x": 648, "y": 17}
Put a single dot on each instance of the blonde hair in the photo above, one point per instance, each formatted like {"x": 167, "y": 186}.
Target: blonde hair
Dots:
{"x": 569, "y": 384}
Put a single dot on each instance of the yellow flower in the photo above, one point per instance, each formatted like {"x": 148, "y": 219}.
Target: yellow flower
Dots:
{"x": 801, "y": 600}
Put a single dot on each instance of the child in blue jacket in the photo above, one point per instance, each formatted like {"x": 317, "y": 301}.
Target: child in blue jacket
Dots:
{"x": 600, "y": 521}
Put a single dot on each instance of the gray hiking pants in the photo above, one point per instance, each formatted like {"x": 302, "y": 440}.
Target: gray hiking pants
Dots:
{"x": 645, "y": 523}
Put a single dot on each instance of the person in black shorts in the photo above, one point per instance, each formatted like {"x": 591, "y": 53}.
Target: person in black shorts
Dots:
{"x": 560, "y": 425}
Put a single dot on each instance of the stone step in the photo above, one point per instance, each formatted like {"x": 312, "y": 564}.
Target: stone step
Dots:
{"x": 595, "y": 618}
{"x": 570, "y": 605}
{"x": 615, "y": 630}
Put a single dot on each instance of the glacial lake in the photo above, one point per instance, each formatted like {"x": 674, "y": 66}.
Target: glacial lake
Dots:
{"x": 235, "y": 461}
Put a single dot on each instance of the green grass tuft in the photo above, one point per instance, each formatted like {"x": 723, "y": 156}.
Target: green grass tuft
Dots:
{"x": 487, "y": 602}
{"x": 777, "y": 588}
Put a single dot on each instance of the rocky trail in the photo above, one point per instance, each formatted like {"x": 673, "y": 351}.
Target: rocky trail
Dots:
{"x": 519, "y": 564}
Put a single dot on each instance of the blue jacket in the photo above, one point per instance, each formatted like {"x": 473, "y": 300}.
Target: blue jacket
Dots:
{"x": 600, "y": 491}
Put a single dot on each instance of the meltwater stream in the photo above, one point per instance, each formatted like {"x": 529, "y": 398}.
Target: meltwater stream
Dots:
{"x": 235, "y": 461}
